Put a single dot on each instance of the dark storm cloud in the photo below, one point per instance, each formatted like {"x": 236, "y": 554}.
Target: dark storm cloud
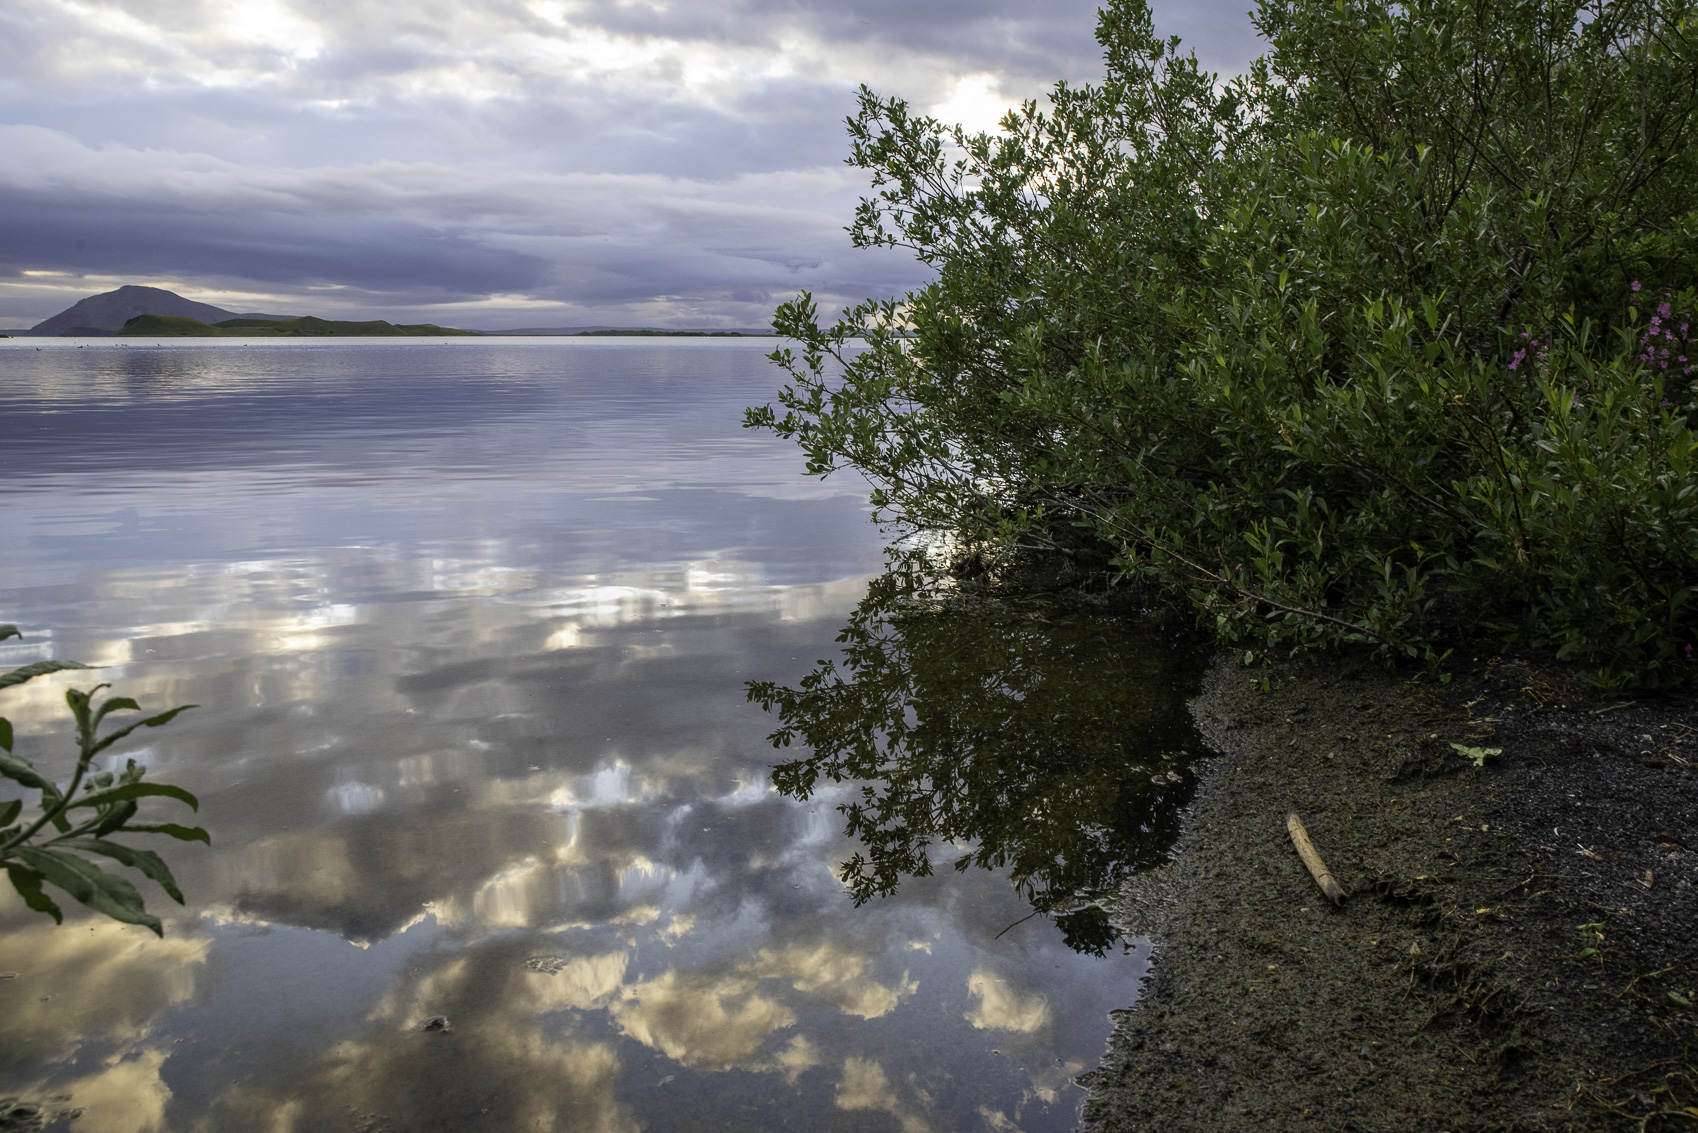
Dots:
{"x": 399, "y": 238}
{"x": 545, "y": 160}
{"x": 87, "y": 234}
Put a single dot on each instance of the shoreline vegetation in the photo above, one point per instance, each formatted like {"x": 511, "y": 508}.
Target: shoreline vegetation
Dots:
{"x": 1341, "y": 351}
{"x": 1376, "y": 364}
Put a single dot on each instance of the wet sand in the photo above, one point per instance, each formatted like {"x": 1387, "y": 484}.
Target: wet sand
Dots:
{"x": 1520, "y": 947}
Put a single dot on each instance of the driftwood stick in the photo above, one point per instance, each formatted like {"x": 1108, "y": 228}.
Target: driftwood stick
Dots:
{"x": 1312, "y": 858}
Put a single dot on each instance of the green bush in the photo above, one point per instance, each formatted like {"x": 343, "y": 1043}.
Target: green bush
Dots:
{"x": 1384, "y": 340}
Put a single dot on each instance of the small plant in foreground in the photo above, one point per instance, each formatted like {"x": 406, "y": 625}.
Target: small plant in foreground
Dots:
{"x": 1592, "y": 936}
{"x": 50, "y": 848}
{"x": 1478, "y": 754}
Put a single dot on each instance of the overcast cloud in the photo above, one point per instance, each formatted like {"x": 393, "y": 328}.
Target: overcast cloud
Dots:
{"x": 490, "y": 163}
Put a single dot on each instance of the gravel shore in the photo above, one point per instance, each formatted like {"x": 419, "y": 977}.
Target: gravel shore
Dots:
{"x": 1520, "y": 947}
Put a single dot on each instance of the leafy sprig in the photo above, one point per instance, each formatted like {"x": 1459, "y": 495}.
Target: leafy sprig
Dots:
{"x": 79, "y": 819}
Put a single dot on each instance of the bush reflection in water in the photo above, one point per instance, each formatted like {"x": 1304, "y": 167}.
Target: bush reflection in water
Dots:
{"x": 1047, "y": 738}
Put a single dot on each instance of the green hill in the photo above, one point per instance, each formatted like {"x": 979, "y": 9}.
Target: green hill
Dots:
{"x": 171, "y": 326}
{"x": 180, "y": 326}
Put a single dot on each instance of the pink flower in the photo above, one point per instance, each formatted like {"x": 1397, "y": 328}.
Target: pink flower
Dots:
{"x": 1636, "y": 288}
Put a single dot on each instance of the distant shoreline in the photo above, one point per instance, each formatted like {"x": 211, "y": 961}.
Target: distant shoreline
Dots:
{"x": 140, "y": 339}
{"x": 637, "y": 333}
{"x": 623, "y": 332}
{"x": 152, "y": 312}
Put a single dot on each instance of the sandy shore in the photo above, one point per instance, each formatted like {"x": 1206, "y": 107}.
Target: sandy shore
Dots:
{"x": 1520, "y": 947}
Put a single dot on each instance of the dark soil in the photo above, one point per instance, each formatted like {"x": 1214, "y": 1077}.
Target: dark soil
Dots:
{"x": 1520, "y": 948}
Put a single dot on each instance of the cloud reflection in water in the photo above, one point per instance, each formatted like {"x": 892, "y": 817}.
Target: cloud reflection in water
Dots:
{"x": 469, "y": 713}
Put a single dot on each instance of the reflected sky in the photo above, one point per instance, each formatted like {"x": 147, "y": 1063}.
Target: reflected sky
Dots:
{"x": 470, "y": 624}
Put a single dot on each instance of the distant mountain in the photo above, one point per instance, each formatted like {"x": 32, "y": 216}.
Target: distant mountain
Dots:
{"x": 103, "y": 314}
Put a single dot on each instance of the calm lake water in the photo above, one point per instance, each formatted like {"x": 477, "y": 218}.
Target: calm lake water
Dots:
{"x": 470, "y": 624}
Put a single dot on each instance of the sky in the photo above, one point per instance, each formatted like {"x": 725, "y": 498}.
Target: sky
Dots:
{"x": 492, "y": 163}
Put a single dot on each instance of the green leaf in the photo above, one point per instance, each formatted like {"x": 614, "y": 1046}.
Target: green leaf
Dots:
{"x": 171, "y": 829}
{"x": 111, "y": 738}
{"x": 113, "y": 818}
{"x": 136, "y": 791}
{"x": 5, "y": 733}
{"x": 85, "y": 881}
{"x": 38, "y": 669}
{"x": 10, "y": 811}
{"x": 114, "y": 704}
{"x": 10, "y": 631}
{"x": 23, "y": 771}
{"x": 148, "y": 862}
{"x": 28, "y": 884}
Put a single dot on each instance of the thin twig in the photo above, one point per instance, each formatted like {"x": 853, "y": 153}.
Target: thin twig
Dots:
{"x": 1021, "y": 921}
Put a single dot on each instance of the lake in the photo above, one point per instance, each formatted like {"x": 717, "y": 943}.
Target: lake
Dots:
{"x": 496, "y": 842}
